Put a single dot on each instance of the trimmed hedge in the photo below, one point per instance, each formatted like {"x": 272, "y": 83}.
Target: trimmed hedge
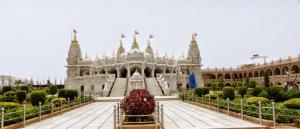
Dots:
{"x": 57, "y": 101}
{"x": 9, "y": 96}
{"x": 243, "y": 91}
{"x": 255, "y": 100}
{"x": 25, "y": 88}
{"x": 201, "y": 91}
{"x": 38, "y": 96}
{"x": 68, "y": 93}
{"x": 292, "y": 103}
{"x": 9, "y": 105}
{"x": 52, "y": 89}
{"x": 228, "y": 92}
{"x": 6, "y": 89}
{"x": 212, "y": 95}
{"x": 256, "y": 91}
{"x": 21, "y": 96}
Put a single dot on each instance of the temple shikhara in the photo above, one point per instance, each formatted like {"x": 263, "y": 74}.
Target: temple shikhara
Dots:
{"x": 132, "y": 69}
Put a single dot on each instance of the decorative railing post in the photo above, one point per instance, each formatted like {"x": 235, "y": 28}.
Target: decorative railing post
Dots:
{"x": 228, "y": 108}
{"x": 218, "y": 105}
{"x": 259, "y": 110}
{"x": 2, "y": 118}
{"x": 274, "y": 117}
{"x": 162, "y": 117}
{"x": 24, "y": 115}
{"x": 242, "y": 110}
{"x": 51, "y": 108}
{"x": 40, "y": 111}
{"x": 115, "y": 125}
{"x": 68, "y": 102}
{"x": 157, "y": 107}
{"x": 61, "y": 106}
{"x": 209, "y": 101}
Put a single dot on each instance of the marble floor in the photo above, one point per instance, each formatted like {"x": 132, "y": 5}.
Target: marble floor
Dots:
{"x": 178, "y": 115}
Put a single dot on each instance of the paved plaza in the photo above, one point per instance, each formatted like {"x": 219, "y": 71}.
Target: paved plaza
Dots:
{"x": 178, "y": 115}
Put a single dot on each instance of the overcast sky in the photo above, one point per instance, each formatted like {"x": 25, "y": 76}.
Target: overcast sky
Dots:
{"x": 35, "y": 34}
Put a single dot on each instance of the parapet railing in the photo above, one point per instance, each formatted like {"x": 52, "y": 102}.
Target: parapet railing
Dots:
{"x": 158, "y": 117}
{"x": 259, "y": 110}
{"x": 39, "y": 112}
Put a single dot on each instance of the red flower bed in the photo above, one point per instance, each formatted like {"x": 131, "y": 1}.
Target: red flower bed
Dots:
{"x": 139, "y": 102}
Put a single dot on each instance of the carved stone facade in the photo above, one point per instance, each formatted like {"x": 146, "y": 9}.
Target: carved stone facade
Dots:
{"x": 90, "y": 76}
{"x": 276, "y": 69}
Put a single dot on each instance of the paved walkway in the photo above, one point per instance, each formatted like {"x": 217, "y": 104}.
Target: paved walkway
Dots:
{"x": 178, "y": 115}
{"x": 93, "y": 116}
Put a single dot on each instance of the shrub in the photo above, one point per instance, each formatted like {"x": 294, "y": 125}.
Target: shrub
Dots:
{"x": 38, "y": 96}
{"x": 276, "y": 93}
{"x": 61, "y": 93}
{"x": 292, "y": 103}
{"x": 256, "y": 91}
{"x": 255, "y": 100}
{"x": 9, "y": 96}
{"x": 263, "y": 93}
{"x": 68, "y": 93}
{"x": 228, "y": 92}
{"x": 293, "y": 93}
{"x": 214, "y": 86}
{"x": 21, "y": 95}
{"x": 9, "y": 105}
{"x": 139, "y": 102}
{"x": 6, "y": 89}
{"x": 57, "y": 101}
{"x": 25, "y": 88}
{"x": 242, "y": 91}
{"x": 52, "y": 89}
{"x": 212, "y": 95}
{"x": 252, "y": 84}
{"x": 201, "y": 91}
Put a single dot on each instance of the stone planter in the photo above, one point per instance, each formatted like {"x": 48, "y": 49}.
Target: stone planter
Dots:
{"x": 140, "y": 126}
{"x": 151, "y": 123}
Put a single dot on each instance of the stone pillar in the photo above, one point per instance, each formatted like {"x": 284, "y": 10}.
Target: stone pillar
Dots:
{"x": 143, "y": 72}
{"x": 128, "y": 72}
{"x": 164, "y": 70}
{"x": 118, "y": 73}
{"x": 152, "y": 72}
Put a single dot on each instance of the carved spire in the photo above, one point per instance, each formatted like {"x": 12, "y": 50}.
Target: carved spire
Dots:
{"x": 74, "y": 54}
{"x": 121, "y": 49}
{"x": 194, "y": 52}
{"x": 149, "y": 49}
{"x": 135, "y": 44}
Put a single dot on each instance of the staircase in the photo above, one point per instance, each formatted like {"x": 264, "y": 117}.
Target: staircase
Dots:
{"x": 153, "y": 87}
{"x": 119, "y": 87}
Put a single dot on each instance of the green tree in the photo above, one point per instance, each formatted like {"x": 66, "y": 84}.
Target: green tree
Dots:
{"x": 246, "y": 83}
{"x": 21, "y": 96}
{"x": 242, "y": 91}
{"x": 228, "y": 92}
{"x": 266, "y": 79}
{"x": 221, "y": 82}
{"x": 52, "y": 89}
{"x": 252, "y": 84}
{"x": 38, "y": 96}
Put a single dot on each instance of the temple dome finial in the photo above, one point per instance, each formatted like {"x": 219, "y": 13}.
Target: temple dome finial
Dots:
{"x": 74, "y": 35}
{"x": 135, "y": 44}
{"x": 149, "y": 49}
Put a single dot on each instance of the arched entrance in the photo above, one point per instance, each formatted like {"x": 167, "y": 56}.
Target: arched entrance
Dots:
{"x": 113, "y": 71}
{"x": 123, "y": 72}
{"x": 157, "y": 71}
{"x": 148, "y": 72}
{"x": 134, "y": 68}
